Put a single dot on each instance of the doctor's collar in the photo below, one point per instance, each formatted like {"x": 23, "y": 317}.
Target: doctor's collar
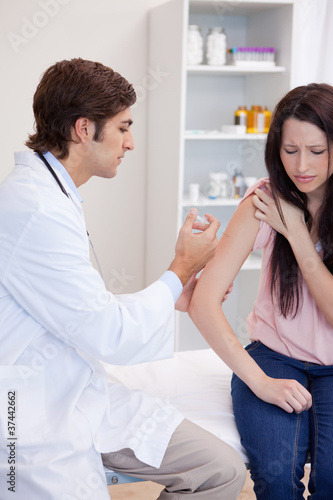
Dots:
{"x": 60, "y": 169}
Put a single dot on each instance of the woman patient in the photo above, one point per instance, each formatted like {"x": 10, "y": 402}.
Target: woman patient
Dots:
{"x": 282, "y": 387}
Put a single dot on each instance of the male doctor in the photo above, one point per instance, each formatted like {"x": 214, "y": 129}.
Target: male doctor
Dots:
{"x": 57, "y": 412}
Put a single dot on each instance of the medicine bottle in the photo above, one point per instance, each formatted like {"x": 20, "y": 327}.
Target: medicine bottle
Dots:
{"x": 241, "y": 116}
{"x": 239, "y": 186}
{"x": 216, "y": 47}
{"x": 255, "y": 120}
{"x": 267, "y": 114}
{"x": 194, "y": 54}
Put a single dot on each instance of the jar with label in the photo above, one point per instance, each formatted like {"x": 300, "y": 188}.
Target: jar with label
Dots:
{"x": 241, "y": 116}
{"x": 255, "y": 120}
{"x": 194, "y": 45}
{"x": 216, "y": 47}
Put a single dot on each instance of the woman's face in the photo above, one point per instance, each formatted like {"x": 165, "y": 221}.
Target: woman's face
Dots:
{"x": 304, "y": 154}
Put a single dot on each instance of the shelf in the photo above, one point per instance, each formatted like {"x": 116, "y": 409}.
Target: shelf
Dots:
{"x": 244, "y": 7}
{"x": 207, "y": 202}
{"x": 204, "y": 69}
{"x": 204, "y": 135}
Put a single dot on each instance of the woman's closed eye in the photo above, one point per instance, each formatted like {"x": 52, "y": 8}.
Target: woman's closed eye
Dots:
{"x": 315, "y": 152}
{"x": 318, "y": 152}
{"x": 290, "y": 151}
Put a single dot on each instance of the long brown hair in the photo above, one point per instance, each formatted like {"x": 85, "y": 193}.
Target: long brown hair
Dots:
{"x": 74, "y": 89}
{"x": 314, "y": 104}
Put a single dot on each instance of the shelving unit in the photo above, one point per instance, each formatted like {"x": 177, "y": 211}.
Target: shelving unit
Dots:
{"x": 186, "y": 111}
{"x": 233, "y": 70}
{"x": 207, "y": 202}
{"x": 215, "y": 135}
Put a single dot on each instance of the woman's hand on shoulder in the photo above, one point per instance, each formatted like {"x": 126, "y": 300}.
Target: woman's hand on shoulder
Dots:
{"x": 267, "y": 211}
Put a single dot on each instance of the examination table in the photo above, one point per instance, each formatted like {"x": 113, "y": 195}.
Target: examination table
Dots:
{"x": 195, "y": 382}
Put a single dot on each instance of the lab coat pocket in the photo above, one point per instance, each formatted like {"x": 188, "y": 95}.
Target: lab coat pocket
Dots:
{"x": 23, "y": 405}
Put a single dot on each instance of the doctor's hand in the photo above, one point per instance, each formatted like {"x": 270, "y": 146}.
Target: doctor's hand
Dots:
{"x": 185, "y": 298}
{"x": 194, "y": 250}
{"x": 186, "y": 295}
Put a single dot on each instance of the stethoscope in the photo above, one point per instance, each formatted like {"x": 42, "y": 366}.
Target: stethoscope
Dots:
{"x": 50, "y": 169}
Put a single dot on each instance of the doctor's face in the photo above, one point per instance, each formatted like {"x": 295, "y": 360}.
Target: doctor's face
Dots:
{"x": 116, "y": 139}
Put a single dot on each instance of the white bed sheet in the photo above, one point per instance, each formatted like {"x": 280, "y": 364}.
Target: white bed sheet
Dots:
{"x": 197, "y": 383}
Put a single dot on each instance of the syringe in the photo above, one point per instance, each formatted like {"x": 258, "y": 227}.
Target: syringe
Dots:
{"x": 205, "y": 221}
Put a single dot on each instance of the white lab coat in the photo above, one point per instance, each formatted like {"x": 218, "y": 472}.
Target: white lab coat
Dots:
{"x": 57, "y": 321}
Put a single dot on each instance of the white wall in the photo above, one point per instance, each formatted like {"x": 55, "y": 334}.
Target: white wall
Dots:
{"x": 313, "y": 42}
{"x": 34, "y": 35}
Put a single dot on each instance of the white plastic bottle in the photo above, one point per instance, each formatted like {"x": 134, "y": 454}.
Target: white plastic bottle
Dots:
{"x": 216, "y": 47}
{"x": 194, "y": 45}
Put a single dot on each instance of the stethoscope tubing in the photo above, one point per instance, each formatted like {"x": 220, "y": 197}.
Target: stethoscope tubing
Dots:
{"x": 51, "y": 170}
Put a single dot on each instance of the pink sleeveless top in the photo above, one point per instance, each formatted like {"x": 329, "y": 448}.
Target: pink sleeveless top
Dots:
{"x": 307, "y": 337}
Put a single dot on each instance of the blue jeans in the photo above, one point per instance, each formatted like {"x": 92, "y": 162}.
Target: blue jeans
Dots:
{"x": 277, "y": 442}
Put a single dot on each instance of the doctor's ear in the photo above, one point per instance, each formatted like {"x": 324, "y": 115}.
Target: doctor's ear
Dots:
{"x": 83, "y": 130}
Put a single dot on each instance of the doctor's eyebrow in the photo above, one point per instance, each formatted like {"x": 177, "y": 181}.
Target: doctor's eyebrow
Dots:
{"x": 129, "y": 122}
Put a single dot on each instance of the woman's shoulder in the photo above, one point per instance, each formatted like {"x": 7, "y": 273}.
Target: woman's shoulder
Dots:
{"x": 259, "y": 184}
{"x": 265, "y": 233}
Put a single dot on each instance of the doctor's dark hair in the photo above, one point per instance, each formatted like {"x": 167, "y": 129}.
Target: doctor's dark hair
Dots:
{"x": 311, "y": 103}
{"x": 76, "y": 89}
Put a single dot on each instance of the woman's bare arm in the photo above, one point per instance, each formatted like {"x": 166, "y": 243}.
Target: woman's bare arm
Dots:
{"x": 207, "y": 313}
